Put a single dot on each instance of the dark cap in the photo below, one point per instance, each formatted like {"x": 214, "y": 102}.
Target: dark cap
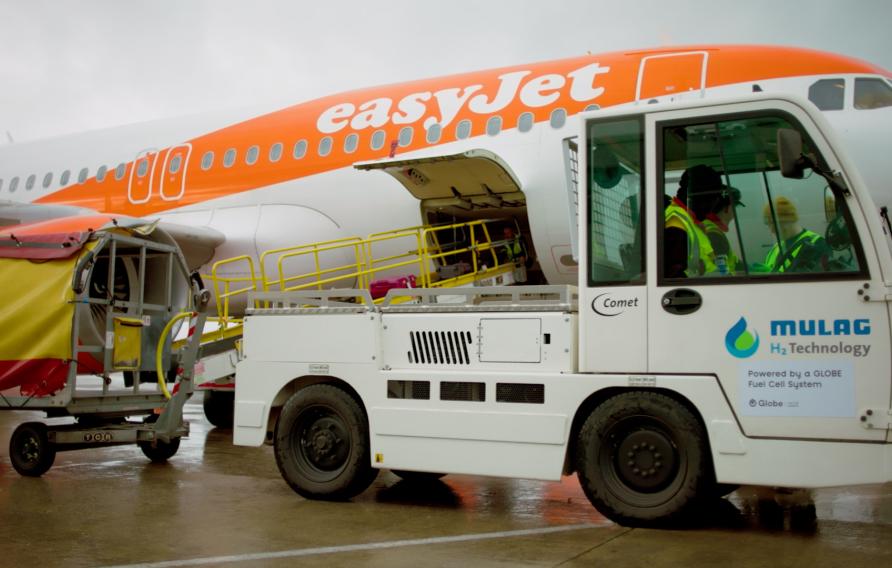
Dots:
{"x": 700, "y": 179}
{"x": 733, "y": 194}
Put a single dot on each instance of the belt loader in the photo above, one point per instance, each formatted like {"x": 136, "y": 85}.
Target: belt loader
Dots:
{"x": 659, "y": 379}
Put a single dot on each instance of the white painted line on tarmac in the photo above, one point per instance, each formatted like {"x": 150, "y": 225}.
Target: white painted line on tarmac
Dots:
{"x": 360, "y": 547}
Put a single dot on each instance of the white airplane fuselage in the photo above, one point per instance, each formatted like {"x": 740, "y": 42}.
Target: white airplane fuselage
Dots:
{"x": 342, "y": 201}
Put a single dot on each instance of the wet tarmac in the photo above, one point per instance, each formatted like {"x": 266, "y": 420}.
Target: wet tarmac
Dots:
{"x": 215, "y": 504}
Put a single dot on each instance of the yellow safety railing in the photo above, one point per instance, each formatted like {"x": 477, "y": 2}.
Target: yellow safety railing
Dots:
{"x": 317, "y": 251}
{"x": 414, "y": 256}
{"x": 477, "y": 247}
{"x": 225, "y": 285}
{"x": 355, "y": 262}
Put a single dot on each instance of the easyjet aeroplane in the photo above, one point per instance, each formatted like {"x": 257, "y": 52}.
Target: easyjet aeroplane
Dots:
{"x": 483, "y": 144}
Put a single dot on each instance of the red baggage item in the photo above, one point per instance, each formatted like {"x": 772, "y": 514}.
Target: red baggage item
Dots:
{"x": 379, "y": 288}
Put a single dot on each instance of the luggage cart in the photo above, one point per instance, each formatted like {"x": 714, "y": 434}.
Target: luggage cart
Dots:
{"x": 130, "y": 289}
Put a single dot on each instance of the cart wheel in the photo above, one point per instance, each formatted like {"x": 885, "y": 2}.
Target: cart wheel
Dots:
{"x": 218, "y": 408}
{"x": 158, "y": 451}
{"x": 30, "y": 451}
{"x": 416, "y": 476}
{"x": 322, "y": 444}
{"x": 642, "y": 457}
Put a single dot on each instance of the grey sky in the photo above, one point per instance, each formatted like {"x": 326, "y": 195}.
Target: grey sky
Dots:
{"x": 70, "y": 66}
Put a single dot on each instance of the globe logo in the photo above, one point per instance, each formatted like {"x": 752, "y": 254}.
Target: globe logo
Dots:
{"x": 740, "y": 342}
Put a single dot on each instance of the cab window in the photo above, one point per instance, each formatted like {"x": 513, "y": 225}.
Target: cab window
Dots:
{"x": 728, "y": 212}
{"x": 615, "y": 200}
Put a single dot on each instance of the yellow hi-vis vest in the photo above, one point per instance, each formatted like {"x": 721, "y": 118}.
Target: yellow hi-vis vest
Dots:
{"x": 806, "y": 237}
{"x": 710, "y": 227}
{"x": 701, "y": 257}
{"x": 514, "y": 249}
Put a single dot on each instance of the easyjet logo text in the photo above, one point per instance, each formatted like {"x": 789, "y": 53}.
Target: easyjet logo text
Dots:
{"x": 441, "y": 107}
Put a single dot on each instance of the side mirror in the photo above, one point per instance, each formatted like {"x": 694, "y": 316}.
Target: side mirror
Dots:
{"x": 789, "y": 152}
{"x": 793, "y": 162}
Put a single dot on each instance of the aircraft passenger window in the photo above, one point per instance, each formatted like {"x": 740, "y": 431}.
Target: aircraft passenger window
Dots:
{"x": 275, "y": 152}
{"x": 350, "y": 143}
{"x": 433, "y": 133}
{"x": 29, "y": 183}
{"x": 229, "y": 158}
{"x": 120, "y": 171}
{"x": 252, "y": 155}
{"x": 463, "y": 130}
{"x": 558, "y": 118}
{"x": 828, "y": 94}
{"x": 13, "y": 184}
{"x": 175, "y": 164}
{"x": 872, "y": 93}
{"x": 207, "y": 160}
{"x": 100, "y": 174}
{"x": 494, "y": 125}
{"x": 83, "y": 175}
{"x": 406, "y": 135}
{"x": 525, "y": 122}
{"x": 47, "y": 180}
{"x": 143, "y": 168}
{"x": 722, "y": 187}
{"x": 325, "y": 146}
{"x": 63, "y": 179}
{"x": 300, "y": 149}
{"x": 378, "y": 139}
{"x": 592, "y": 107}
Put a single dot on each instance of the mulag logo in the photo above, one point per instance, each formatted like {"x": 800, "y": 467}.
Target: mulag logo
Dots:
{"x": 740, "y": 342}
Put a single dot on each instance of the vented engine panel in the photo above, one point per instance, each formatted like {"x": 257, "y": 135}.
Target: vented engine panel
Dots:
{"x": 452, "y": 341}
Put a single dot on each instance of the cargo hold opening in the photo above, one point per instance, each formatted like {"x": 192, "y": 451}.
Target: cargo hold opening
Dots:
{"x": 472, "y": 185}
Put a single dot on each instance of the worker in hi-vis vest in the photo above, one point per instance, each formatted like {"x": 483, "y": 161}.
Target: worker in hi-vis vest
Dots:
{"x": 515, "y": 252}
{"x": 688, "y": 251}
{"x": 716, "y": 210}
{"x": 796, "y": 249}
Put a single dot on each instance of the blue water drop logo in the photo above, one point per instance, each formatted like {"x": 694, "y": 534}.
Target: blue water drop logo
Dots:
{"x": 740, "y": 342}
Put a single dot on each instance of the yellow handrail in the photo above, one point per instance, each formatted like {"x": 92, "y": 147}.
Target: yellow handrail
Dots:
{"x": 223, "y": 298}
{"x": 331, "y": 243}
{"x": 371, "y": 258}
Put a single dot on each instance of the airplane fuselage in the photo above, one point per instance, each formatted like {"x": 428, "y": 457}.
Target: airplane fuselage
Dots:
{"x": 270, "y": 177}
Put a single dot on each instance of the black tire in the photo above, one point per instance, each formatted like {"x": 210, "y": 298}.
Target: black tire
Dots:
{"x": 219, "y": 407}
{"x": 30, "y": 450}
{"x": 322, "y": 444}
{"x": 642, "y": 458}
{"x": 417, "y": 476}
{"x": 160, "y": 452}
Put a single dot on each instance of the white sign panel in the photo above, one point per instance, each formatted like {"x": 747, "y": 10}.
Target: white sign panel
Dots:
{"x": 798, "y": 388}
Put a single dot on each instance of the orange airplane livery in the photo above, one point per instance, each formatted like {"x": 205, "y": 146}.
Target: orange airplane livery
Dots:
{"x": 489, "y": 144}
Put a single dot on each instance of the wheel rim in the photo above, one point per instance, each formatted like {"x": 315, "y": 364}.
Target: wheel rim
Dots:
{"x": 643, "y": 460}
{"x": 321, "y": 443}
{"x": 28, "y": 449}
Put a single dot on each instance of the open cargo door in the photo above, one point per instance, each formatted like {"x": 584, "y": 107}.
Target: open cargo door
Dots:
{"x": 469, "y": 184}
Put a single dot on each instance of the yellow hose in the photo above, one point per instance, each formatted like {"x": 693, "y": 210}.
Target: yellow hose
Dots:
{"x": 159, "y": 351}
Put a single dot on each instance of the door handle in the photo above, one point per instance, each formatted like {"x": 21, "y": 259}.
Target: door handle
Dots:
{"x": 682, "y": 301}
